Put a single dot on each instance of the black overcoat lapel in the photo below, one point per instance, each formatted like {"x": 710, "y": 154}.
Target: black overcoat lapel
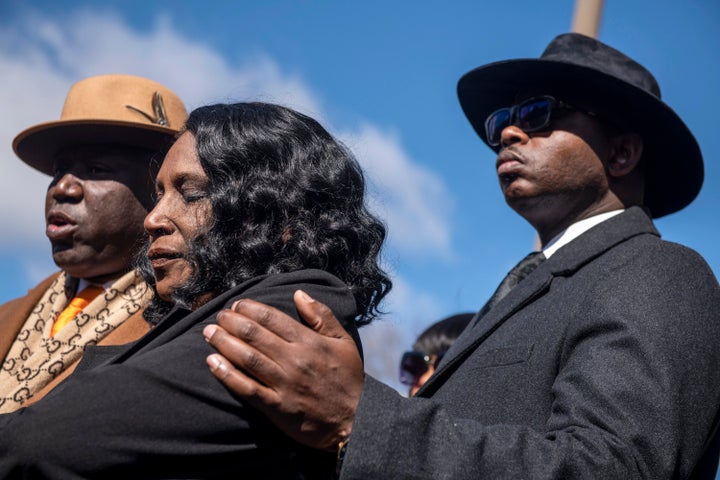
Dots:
{"x": 565, "y": 262}
{"x": 527, "y": 291}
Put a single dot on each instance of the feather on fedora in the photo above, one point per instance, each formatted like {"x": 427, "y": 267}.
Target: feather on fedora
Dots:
{"x": 117, "y": 109}
{"x": 581, "y": 69}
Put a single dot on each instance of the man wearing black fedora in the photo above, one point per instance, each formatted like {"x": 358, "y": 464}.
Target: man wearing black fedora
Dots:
{"x": 597, "y": 357}
{"x": 98, "y": 155}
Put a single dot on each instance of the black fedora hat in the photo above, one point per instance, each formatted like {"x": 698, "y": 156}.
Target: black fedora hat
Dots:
{"x": 583, "y": 70}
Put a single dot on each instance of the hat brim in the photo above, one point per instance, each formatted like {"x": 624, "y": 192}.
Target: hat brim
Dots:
{"x": 673, "y": 162}
{"x": 38, "y": 145}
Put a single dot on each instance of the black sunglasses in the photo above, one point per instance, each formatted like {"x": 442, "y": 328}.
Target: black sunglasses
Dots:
{"x": 530, "y": 116}
{"x": 414, "y": 364}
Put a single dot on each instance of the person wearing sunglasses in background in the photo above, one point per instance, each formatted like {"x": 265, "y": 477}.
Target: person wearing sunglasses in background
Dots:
{"x": 418, "y": 365}
{"x": 598, "y": 358}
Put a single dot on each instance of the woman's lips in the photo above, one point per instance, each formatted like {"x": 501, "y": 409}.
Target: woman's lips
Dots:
{"x": 161, "y": 262}
{"x": 161, "y": 257}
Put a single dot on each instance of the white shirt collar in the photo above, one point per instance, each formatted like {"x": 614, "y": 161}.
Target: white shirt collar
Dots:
{"x": 575, "y": 230}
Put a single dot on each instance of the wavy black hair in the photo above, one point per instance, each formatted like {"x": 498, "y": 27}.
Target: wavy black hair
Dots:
{"x": 285, "y": 196}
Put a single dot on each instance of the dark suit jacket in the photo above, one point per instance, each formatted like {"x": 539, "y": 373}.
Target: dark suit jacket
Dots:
{"x": 603, "y": 363}
{"x": 154, "y": 410}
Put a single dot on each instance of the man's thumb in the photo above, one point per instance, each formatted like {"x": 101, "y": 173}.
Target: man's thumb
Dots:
{"x": 318, "y": 316}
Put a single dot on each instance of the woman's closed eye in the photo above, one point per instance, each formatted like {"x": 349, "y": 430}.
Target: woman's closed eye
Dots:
{"x": 191, "y": 195}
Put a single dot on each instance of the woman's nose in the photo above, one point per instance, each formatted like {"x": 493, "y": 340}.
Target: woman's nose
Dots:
{"x": 156, "y": 222}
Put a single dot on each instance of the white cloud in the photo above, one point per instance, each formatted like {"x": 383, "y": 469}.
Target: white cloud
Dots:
{"x": 89, "y": 43}
{"x": 412, "y": 199}
{"x": 40, "y": 58}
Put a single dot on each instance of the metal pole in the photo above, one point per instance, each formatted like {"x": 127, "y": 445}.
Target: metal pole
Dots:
{"x": 586, "y": 18}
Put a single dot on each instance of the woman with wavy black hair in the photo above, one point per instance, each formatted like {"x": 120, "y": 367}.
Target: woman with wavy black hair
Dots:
{"x": 253, "y": 201}
{"x": 284, "y": 196}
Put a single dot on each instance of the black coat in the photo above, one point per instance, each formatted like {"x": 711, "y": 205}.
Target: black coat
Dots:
{"x": 154, "y": 410}
{"x": 603, "y": 363}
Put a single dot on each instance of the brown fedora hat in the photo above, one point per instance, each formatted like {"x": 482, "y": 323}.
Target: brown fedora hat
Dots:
{"x": 583, "y": 70}
{"x": 117, "y": 109}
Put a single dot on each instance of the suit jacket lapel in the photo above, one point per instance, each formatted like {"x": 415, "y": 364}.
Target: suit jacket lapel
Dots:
{"x": 14, "y": 313}
{"x": 532, "y": 287}
{"x": 568, "y": 259}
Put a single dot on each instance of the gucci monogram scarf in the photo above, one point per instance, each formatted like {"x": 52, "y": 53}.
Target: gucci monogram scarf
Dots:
{"x": 36, "y": 357}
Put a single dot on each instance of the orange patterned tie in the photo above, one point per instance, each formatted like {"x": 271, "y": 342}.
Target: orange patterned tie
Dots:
{"x": 79, "y": 301}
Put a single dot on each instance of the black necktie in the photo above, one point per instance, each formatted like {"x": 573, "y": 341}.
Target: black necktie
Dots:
{"x": 519, "y": 271}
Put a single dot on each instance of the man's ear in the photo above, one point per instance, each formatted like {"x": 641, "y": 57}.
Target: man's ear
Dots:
{"x": 625, "y": 155}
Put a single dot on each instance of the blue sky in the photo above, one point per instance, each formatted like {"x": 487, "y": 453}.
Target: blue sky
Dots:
{"x": 381, "y": 76}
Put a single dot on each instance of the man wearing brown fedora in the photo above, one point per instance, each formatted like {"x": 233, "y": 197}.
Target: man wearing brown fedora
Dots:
{"x": 99, "y": 155}
{"x": 599, "y": 357}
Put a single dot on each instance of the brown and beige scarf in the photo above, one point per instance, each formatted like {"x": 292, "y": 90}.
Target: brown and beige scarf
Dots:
{"x": 36, "y": 357}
